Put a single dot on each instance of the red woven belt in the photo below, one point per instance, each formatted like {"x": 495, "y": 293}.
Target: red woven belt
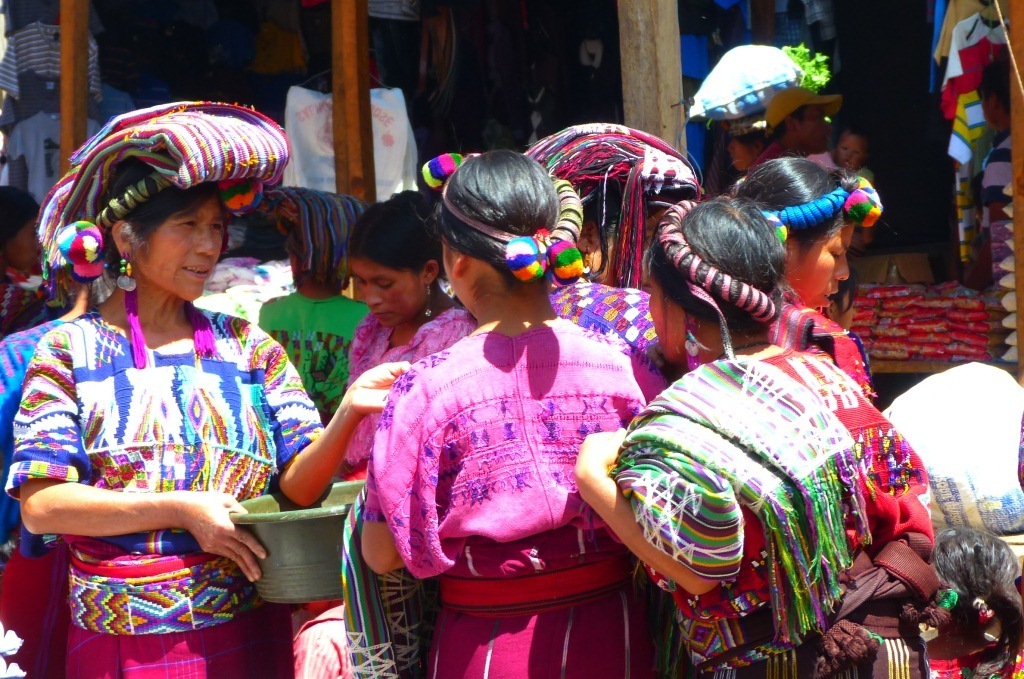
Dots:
{"x": 537, "y": 592}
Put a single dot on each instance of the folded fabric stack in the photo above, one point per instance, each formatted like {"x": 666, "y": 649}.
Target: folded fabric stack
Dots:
{"x": 945, "y": 322}
{"x": 239, "y": 286}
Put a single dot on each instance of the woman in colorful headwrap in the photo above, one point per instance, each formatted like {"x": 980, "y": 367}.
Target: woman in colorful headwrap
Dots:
{"x": 396, "y": 269}
{"x": 21, "y": 305}
{"x": 743, "y": 486}
{"x": 815, "y": 211}
{"x": 144, "y": 422}
{"x": 626, "y": 178}
{"x": 316, "y": 323}
{"x": 471, "y": 477}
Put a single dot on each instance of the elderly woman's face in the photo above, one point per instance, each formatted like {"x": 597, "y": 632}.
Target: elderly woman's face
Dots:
{"x": 179, "y": 256}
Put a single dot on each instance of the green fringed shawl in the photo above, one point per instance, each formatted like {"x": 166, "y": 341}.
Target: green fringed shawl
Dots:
{"x": 735, "y": 434}
{"x": 388, "y": 618}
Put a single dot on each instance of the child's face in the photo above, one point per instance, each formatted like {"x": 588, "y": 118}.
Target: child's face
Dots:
{"x": 851, "y": 151}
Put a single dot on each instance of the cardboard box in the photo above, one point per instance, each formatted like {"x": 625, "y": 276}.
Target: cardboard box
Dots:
{"x": 909, "y": 267}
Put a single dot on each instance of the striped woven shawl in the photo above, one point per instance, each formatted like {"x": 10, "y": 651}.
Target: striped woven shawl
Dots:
{"x": 736, "y": 434}
{"x": 388, "y": 618}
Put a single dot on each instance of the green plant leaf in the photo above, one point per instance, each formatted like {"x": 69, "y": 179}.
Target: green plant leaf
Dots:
{"x": 816, "y": 71}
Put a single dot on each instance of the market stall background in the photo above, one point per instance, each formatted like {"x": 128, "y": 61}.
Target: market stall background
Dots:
{"x": 479, "y": 74}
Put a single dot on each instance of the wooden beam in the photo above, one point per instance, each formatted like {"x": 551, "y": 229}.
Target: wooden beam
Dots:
{"x": 353, "y": 130}
{"x": 652, "y": 68}
{"x": 1016, "y": 39}
{"x": 74, "y": 76}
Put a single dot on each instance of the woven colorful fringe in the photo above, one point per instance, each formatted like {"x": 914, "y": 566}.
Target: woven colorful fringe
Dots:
{"x": 640, "y": 167}
{"x": 322, "y": 221}
{"x": 730, "y": 435}
{"x": 187, "y": 142}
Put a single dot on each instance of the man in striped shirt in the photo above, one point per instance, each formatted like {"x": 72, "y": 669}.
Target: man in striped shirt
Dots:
{"x": 994, "y": 92}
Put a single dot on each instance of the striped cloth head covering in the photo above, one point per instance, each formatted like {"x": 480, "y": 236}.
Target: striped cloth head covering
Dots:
{"x": 186, "y": 143}
{"x": 320, "y": 223}
{"x": 639, "y": 164}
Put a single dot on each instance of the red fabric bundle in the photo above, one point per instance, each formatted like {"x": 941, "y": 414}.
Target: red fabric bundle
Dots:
{"x": 864, "y": 316}
{"x": 966, "y": 316}
{"x": 971, "y": 303}
{"x": 890, "y": 349}
{"x": 890, "y": 291}
{"x": 970, "y": 338}
{"x": 903, "y": 302}
{"x": 931, "y": 352}
{"x": 896, "y": 313}
{"x": 928, "y": 338}
{"x": 971, "y": 326}
{"x": 937, "y": 325}
{"x": 892, "y": 331}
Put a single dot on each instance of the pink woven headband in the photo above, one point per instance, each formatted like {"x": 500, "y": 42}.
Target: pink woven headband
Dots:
{"x": 705, "y": 281}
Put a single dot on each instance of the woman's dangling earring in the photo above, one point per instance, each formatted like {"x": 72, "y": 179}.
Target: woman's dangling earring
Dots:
{"x": 125, "y": 280}
{"x": 428, "y": 312}
{"x": 692, "y": 345}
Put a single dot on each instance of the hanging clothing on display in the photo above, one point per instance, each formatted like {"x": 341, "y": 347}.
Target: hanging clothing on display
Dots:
{"x": 394, "y": 146}
{"x": 39, "y": 94}
{"x": 36, "y": 48}
{"x": 21, "y": 13}
{"x": 308, "y": 122}
{"x": 975, "y": 44}
{"x": 401, "y": 10}
{"x": 38, "y": 141}
{"x": 957, "y": 11}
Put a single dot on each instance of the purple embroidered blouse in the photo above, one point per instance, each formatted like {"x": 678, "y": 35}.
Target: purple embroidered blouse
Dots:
{"x": 479, "y": 442}
{"x": 370, "y": 349}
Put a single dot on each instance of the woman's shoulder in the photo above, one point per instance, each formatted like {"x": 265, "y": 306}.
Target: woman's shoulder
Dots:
{"x": 456, "y": 319}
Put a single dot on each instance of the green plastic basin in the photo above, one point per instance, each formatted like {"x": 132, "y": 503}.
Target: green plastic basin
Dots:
{"x": 303, "y": 543}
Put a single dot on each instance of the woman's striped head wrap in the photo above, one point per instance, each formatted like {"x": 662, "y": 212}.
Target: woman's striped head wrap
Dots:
{"x": 641, "y": 165}
{"x": 186, "y": 144}
{"x": 706, "y": 282}
{"x": 319, "y": 223}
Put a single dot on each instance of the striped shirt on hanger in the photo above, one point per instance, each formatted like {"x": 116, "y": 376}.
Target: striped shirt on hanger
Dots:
{"x": 37, "y": 48}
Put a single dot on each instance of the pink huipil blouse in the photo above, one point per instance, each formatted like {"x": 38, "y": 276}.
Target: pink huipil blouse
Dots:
{"x": 370, "y": 349}
{"x": 478, "y": 444}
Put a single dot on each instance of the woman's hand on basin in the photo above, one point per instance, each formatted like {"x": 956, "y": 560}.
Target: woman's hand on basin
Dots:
{"x": 207, "y": 516}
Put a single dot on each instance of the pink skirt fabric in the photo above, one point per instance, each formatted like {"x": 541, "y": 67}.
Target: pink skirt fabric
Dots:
{"x": 604, "y": 638}
{"x": 34, "y": 604}
{"x": 256, "y": 644}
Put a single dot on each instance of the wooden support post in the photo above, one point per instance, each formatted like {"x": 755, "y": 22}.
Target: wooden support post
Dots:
{"x": 353, "y": 131}
{"x": 74, "y": 77}
{"x": 1016, "y": 39}
{"x": 652, "y": 68}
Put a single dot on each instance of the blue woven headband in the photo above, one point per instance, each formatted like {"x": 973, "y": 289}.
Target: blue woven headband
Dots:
{"x": 819, "y": 210}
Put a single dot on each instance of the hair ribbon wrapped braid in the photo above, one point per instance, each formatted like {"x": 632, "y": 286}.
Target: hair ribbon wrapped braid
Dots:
{"x": 861, "y": 206}
{"x": 707, "y": 282}
{"x": 542, "y": 254}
